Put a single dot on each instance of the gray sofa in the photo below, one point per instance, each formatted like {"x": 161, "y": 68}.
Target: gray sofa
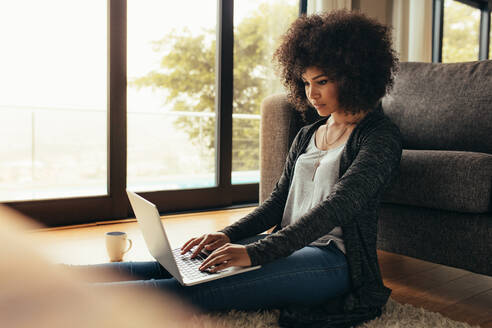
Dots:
{"x": 440, "y": 207}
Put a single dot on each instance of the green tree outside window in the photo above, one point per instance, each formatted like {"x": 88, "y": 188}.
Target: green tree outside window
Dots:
{"x": 460, "y": 32}
{"x": 187, "y": 75}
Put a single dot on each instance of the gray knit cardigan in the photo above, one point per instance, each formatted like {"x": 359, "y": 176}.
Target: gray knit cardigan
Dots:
{"x": 369, "y": 163}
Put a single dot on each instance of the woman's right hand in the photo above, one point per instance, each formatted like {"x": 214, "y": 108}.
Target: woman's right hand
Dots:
{"x": 210, "y": 242}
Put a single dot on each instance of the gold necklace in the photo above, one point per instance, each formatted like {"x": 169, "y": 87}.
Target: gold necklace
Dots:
{"x": 318, "y": 161}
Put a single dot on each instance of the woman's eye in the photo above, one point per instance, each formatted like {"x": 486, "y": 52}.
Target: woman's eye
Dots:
{"x": 322, "y": 82}
{"x": 306, "y": 83}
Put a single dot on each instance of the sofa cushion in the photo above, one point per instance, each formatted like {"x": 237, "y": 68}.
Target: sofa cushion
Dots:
{"x": 448, "y": 180}
{"x": 443, "y": 106}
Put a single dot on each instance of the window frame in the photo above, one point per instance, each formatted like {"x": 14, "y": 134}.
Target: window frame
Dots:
{"x": 484, "y": 34}
{"x": 115, "y": 205}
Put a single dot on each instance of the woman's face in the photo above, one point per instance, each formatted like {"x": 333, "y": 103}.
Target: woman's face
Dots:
{"x": 320, "y": 92}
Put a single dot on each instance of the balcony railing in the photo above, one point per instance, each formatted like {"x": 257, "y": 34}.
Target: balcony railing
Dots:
{"x": 62, "y": 152}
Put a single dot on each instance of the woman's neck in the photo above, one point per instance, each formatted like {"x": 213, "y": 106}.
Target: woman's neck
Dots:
{"x": 342, "y": 118}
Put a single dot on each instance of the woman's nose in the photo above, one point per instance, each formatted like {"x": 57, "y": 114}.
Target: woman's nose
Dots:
{"x": 313, "y": 93}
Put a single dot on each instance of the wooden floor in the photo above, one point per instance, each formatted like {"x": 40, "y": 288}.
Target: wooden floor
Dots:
{"x": 455, "y": 293}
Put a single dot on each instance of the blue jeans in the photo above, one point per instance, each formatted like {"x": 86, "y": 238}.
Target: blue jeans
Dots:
{"x": 308, "y": 276}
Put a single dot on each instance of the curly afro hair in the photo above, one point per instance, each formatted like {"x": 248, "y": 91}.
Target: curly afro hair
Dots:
{"x": 354, "y": 51}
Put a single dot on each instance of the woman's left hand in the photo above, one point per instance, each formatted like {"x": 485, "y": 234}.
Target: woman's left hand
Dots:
{"x": 226, "y": 256}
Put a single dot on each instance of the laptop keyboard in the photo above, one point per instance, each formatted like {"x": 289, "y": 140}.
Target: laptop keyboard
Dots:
{"x": 189, "y": 266}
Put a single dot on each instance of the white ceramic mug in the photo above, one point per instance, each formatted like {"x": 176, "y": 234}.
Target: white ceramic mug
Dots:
{"x": 117, "y": 244}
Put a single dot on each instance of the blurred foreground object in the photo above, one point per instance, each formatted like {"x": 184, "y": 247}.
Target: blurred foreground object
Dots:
{"x": 37, "y": 293}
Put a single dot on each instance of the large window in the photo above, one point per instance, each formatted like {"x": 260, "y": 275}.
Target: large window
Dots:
{"x": 99, "y": 96}
{"x": 52, "y": 99}
{"x": 171, "y": 94}
{"x": 461, "y": 30}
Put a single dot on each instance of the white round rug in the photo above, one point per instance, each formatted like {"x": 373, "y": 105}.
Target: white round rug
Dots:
{"x": 395, "y": 315}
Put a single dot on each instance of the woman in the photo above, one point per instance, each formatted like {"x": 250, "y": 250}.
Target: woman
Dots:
{"x": 320, "y": 263}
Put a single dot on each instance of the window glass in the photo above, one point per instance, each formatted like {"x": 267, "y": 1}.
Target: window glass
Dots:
{"x": 258, "y": 25}
{"x": 53, "y": 115}
{"x": 171, "y": 94}
{"x": 460, "y": 32}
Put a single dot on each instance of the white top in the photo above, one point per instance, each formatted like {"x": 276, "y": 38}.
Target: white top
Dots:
{"x": 306, "y": 192}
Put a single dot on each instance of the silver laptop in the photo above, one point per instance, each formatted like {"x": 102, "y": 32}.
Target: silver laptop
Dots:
{"x": 182, "y": 267}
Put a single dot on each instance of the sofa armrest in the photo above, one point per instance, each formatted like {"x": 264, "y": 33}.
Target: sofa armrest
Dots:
{"x": 279, "y": 125}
